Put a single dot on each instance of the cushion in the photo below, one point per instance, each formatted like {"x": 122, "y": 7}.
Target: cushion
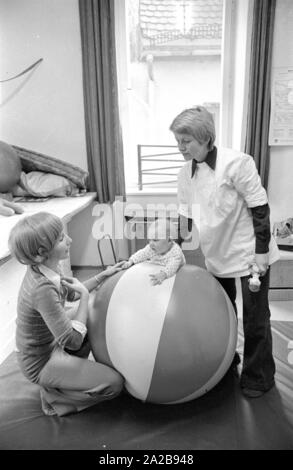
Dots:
{"x": 35, "y": 161}
{"x": 39, "y": 184}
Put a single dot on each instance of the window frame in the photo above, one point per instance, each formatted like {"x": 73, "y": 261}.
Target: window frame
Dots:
{"x": 235, "y": 60}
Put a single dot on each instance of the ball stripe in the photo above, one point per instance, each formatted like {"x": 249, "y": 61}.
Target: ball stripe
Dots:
{"x": 97, "y": 320}
{"x": 176, "y": 381}
{"x": 133, "y": 350}
{"x": 226, "y": 362}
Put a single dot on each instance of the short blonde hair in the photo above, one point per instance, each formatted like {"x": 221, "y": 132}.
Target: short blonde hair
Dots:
{"x": 34, "y": 236}
{"x": 162, "y": 229}
{"x": 198, "y": 122}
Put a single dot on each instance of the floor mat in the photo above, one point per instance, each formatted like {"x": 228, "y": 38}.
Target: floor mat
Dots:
{"x": 221, "y": 419}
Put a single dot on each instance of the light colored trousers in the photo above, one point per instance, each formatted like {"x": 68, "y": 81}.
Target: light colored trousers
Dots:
{"x": 70, "y": 383}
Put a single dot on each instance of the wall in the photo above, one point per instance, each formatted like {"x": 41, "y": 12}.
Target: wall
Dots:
{"x": 280, "y": 189}
{"x": 42, "y": 110}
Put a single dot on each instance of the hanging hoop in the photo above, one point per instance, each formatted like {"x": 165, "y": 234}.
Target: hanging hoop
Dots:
{"x": 23, "y": 72}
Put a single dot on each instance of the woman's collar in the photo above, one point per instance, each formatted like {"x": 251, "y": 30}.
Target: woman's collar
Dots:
{"x": 50, "y": 275}
{"x": 209, "y": 160}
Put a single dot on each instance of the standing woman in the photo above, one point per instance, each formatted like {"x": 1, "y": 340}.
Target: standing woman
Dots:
{"x": 234, "y": 231}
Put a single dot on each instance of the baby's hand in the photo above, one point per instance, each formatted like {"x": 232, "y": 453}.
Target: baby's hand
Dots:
{"x": 109, "y": 271}
{"x": 119, "y": 265}
{"x": 158, "y": 278}
{"x": 124, "y": 264}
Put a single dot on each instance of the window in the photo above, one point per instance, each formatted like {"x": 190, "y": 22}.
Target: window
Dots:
{"x": 169, "y": 55}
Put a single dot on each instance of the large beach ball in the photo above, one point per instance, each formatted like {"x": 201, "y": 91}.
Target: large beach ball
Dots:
{"x": 10, "y": 167}
{"x": 172, "y": 342}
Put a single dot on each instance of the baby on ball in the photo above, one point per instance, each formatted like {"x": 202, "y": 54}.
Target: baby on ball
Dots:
{"x": 161, "y": 249}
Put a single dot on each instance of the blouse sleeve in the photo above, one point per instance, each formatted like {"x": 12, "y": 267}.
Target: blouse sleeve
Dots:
{"x": 262, "y": 227}
{"x": 182, "y": 196}
{"x": 247, "y": 182}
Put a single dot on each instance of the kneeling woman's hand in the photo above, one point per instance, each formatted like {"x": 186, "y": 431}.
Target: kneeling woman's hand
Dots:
{"x": 111, "y": 270}
{"x": 123, "y": 265}
{"x": 75, "y": 284}
{"x": 107, "y": 273}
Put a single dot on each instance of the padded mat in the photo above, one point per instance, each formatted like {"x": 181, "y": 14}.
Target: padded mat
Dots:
{"x": 221, "y": 419}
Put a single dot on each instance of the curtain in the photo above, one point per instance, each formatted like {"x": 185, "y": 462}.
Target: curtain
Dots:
{"x": 103, "y": 132}
{"x": 260, "y": 86}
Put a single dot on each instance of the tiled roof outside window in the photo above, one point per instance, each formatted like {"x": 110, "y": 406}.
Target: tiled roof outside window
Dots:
{"x": 162, "y": 21}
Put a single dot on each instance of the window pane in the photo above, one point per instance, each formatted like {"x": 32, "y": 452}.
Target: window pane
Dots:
{"x": 174, "y": 55}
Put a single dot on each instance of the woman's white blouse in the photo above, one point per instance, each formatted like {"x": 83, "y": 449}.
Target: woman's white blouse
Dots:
{"x": 218, "y": 201}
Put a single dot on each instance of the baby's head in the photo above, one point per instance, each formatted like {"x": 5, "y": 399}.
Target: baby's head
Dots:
{"x": 161, "y": 234}
{"x": 34, "y": 237}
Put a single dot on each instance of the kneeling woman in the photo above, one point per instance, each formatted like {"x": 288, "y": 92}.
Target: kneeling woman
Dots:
{"x": 52, "y": 346}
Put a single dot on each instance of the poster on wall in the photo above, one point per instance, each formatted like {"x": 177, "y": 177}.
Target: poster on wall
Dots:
{"x": 281, "y": 121}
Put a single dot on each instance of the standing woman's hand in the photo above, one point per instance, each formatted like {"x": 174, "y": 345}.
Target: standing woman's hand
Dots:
{"x": 262, "y": 261}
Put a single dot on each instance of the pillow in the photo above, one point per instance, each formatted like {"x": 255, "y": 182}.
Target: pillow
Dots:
{"x": 40, "y": 184}
{"x": 34, "y": 161}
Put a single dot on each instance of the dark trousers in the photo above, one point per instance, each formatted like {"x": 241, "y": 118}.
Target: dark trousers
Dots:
{"x": 258, "y": 362}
